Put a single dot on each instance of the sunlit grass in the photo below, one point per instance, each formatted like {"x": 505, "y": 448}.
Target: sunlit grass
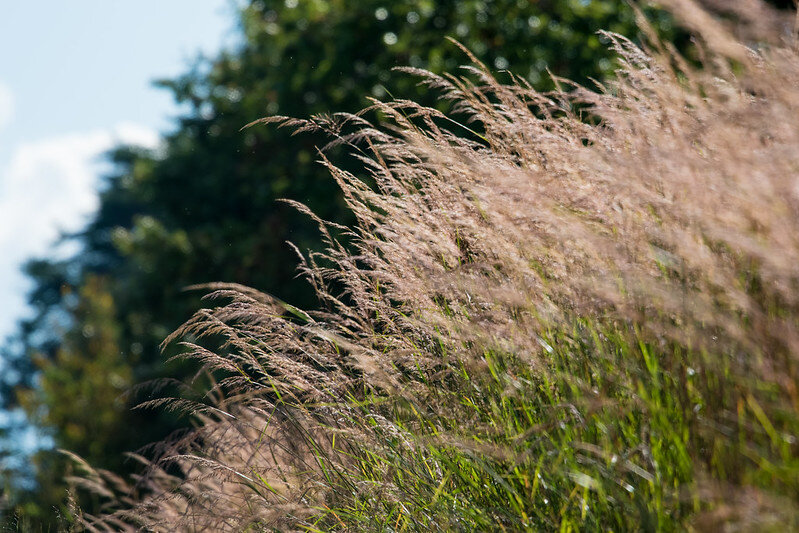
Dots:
{"x": 540, "y": 322}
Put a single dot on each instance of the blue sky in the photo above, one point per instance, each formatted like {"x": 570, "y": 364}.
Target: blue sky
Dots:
{"x": 76, "y": 78}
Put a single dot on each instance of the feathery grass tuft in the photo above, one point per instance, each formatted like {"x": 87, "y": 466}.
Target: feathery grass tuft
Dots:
{"x": 567, "y": 311}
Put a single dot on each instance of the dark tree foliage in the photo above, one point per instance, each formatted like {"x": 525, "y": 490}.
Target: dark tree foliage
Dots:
{"x": 203, "y": 207}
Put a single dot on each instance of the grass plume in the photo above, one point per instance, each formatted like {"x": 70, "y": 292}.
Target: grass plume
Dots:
{"x": 572, "y": 310}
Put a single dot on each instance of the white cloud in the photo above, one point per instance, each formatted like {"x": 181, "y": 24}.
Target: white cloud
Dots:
{"x": 50, "y": 186}
{"x": 6, "y": 105}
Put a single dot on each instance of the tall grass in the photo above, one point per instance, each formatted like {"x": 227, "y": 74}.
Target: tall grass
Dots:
{"x": 565, "y": 311}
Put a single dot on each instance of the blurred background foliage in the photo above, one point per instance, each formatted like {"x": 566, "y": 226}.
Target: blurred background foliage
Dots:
{"x": 203, "y": 208}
